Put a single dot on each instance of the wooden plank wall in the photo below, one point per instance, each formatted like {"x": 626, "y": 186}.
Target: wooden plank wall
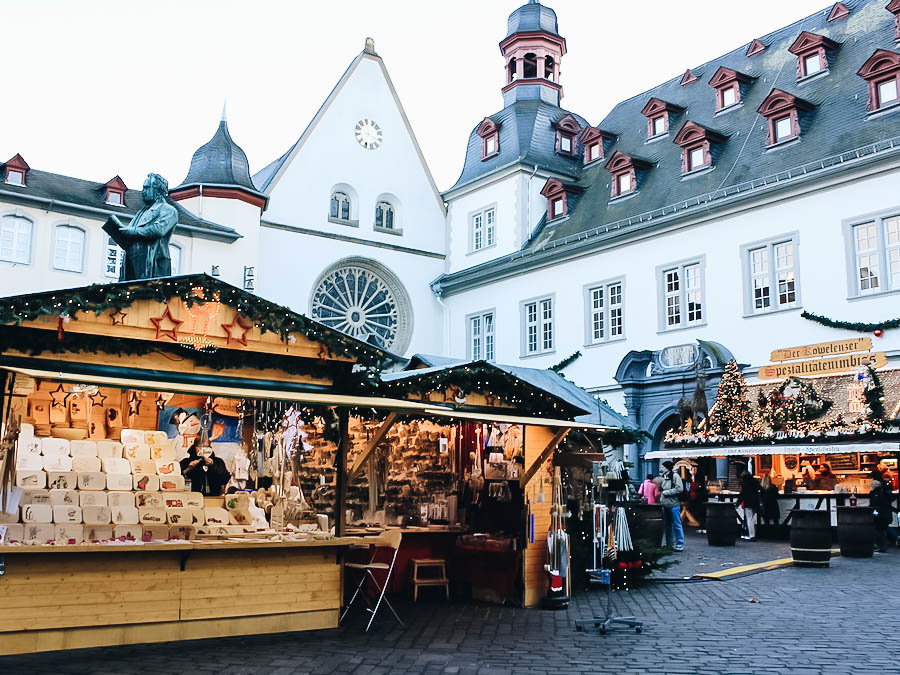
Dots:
{"x": 536, "y": 579}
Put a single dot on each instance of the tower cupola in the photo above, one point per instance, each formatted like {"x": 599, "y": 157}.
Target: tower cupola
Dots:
{"x": 532, "y": 51}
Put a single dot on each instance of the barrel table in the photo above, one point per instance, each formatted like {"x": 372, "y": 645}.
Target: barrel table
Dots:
{"x": 652, "y": 526}
{"x": 811, "y": 538}
{"x": 721, "y": 524}
{"x": 856, "y": 531}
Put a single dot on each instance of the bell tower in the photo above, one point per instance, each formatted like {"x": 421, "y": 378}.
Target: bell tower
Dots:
{"x": 532, "y": 51}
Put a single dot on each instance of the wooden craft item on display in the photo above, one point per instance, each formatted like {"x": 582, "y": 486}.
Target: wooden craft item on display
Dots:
{"x": 132, "y": 437}
{"x": 96, "y": 515}
{"x": 92, "y": 480}
{"x": 69, "y": 533}
{"x": 237, "y": 502}
{"x": 151, "y": 516}
{"x": 31, "y": 479}
{"x": 184, "y": 516}
{"x": 142, "y": 466}
{"x": 168, "y": 467}
{"x": 96, "y": 430}
{"x": 38, "y": 496}
{"x": 28, "y": 461}
{"x": 240, "y": 517}
{"x": 54, "y": 446}
{"x": 15, "y": 533}
{"x": 170, "y": 483}
{"x": 119, "y": 499}
{"x": 83, "y": 448}
{"x": 29, "y": 445}
{"x": 98, "y": 532}
{"x": 113, "y": 420}
{"x": 93, "y": 499}
{"x": 175, "y": 500}
{"x": 119, "y": 481}
{"x": 38, "y": 533}
{"x": 155, "y": 532}
{"x": 129, "y": 532}
{"x": 40, "y": 410}
{"x": 86, "y": 463}
{"x": 194, "y": 500}
{"x": 77, "y": 409}
{"x": 158, "y": 438}
{"x": 148, "y": 482}
{"x": 64, "y": 498}
{"x": 187, "y": 532}
{"x": 62, "y": 480}
{"x": 116, "y": 465}
{"x": 125, "y": 515}
{"x": 216, "y": 516}
{"x": 149, "y": 499}
{"x": 10, "y": 516}
{"x": 57, "y": 463}
{"x": 109, "y": 449}
{"x": 66, "y": 514}
{"x": 162, "y": 452}
{"x": 136, "y": 451}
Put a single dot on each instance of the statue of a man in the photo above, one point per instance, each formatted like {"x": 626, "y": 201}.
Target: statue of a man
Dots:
{"x": 145, "y": 239}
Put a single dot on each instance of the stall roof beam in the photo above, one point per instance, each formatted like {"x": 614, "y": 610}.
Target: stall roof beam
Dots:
{"x": 371, "y": 445}
{"x": 544, "y": 456}
{"x": 807, "y": 449}
{"x": 512, "y": 419}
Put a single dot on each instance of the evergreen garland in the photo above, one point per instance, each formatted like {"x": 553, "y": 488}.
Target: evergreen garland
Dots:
{"x": 857, "y": 326}
{"x": 874, "y": 395}
{"x": 566, "y": 362}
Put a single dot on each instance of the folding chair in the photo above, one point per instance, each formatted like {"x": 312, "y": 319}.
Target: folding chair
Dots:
{"x": 392, "y": 540}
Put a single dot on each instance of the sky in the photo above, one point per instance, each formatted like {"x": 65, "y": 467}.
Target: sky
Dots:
{"x": 95, "y": 88}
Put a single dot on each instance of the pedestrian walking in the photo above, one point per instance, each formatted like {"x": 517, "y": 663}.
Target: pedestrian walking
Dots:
{"x": 749, "y": 499}
{"x": 649, "y": 490}
{"x": 672, "y": 489}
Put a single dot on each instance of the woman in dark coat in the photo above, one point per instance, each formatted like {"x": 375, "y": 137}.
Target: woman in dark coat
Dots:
{"x": 207, "y": 474}
{"x": 881, "y": 500}
{"x": 749, "y": 499}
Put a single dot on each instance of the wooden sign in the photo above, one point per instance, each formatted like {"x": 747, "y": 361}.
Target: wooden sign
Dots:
{"x": 841, "y": 364}
{"x": 822, "y": 349}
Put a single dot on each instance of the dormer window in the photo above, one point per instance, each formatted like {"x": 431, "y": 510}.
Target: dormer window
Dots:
{"x": 756, "y": 47}
{"x": 730, "y": 87}
{"x": 894, "y": 8}
{"x": 660, "y": 116}
{"x": 567, "y": 129}
{"x": 625, "y": 172}
{"x": 882, "y": 71}
{"x": 689, "y": 77}
{"x": 811, "y": 51}
{"x": 593, "y": 139}
{"x": 696, "y": 143}
{"x": 557, "y": 203}
{"x": 782, "y": 112}
{"x": 489, "y": 131}
{"x": 15, "y": 171}
{"x": 838, "y": 11}
{"x": 115, "y": 192}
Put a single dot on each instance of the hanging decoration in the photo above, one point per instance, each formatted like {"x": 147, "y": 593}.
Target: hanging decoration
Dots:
{"x": 237, "y": 330}
{"x": 858, "y": 326}
{"x": 97, "y": 399}
{"x": 134, "y": 404}
{"x": 172, "y": 332}
{"x": 565, "y": 363}
{"x": 59, "y": 397}
{"x": 873, "y": 393}
{"x": 117, "y": 316}
{"x": 794, "y": 401}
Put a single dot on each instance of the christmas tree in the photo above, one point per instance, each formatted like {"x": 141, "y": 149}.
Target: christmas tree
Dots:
{"x": 732, "y": 415}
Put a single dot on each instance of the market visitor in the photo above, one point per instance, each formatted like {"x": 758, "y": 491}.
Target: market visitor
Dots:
{"x": 881, "y": 500}
{"x": 825, "y": 479}
{"x": 649, "y": 490}
{"x": 206, "y": 472}
{"x": 672, "y": 487}
{"x": 769, "y": 498}
{"x": 698, "y": 495}
{"x": 749, "y": 500}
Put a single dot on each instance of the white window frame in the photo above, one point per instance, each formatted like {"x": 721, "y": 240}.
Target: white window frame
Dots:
{"x": 594, "y": 151}
{"x": 538, "y": 320}
{"x": 733, "y": 90}
{"x": 819, "y": 65}
{"x": 885, "y": 254}
{"x": 481, "y": 340}
{"x": 483, "y": 228}
{"x": 604, "y": 319}
{"x": 776, "y": 270}
{"x": 115, "y": 198}
{"x": 690, "y": 159}
{"x": 16, "y": 220}
{"x": 385, "y": 207}
{"x": 175, "y": 258}
{"x": 678, "y": 296}
{"x": 20, "y": 177}
{"x": 881, "y": 102}
{"x": 114, "y": 255}
{"x": 660, "y": 121}
{"x": 57, "y": 230}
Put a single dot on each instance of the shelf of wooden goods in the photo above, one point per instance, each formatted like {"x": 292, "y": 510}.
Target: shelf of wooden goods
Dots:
{"x": 179, "y": 591}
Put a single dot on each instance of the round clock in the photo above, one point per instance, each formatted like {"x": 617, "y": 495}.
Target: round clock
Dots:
{"x": 368, "y": 134}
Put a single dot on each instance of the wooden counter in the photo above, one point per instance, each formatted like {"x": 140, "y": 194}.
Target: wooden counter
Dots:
{"x": 56, "y": 597}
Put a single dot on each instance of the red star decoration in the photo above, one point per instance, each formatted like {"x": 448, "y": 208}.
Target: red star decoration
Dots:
{"x": 118, "y": 317}
{"x": 171, "y": 333}
{"x": 238, "y": 325}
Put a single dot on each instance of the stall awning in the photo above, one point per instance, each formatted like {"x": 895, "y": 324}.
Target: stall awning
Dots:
{"x": 744, "y": 450}
{"x": 513, "y": 419}
{"x": 248, "y": 390}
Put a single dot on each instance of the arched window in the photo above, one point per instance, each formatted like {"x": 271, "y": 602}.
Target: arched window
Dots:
{"x": 511, "y": 70}
{"x": 530, "y": 66}
{"x": 384, "y": 216}
{"x": 15, "y": 239}
{"x": 549, "y": 64}
{"x": 340, "y": 206}
{"x": 68, "y": 248}
{"x": 175, "y": 257}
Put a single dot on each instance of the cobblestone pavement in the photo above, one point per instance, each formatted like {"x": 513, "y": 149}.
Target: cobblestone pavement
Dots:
{"x": 800, "y": 621}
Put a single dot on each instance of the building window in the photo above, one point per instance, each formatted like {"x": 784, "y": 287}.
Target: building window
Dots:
{"x": 115, "y": 258}
{"x": 68, "y": 248}
{"x": 384, "y": 216}
{"x": 660, "y": 116}
{"x": 15, "y": 240}
{"x": 730, "y": 86}
{"x": 594, "y": 152}
{"x": 783, "y": 129}
{"x": 15, "y": 177}
{"x": 811, "y": 51}
{"x": 626, "y": 171}
{"x": 537, "y": 319}
{"x": 877, "y": 255}
{"x": 114, "y": 198}
{"x": 565, "y": 143}
{"x": 695, "y": 142}
{"x": 658, "y": 125}
{"x": 529, "y": 66}
{"x": 696, "y": 159}
{"x": 483, "y": 229}
{"x": 558, "y": 207}
{"x": 555, "y": 194}
{"x": 881, "y": 71}
{"x": 175, "y": 258}
{"x": 887, "y": 92}
{"x": 729, "y": 96}
{"x": 782, "y": 111}
{"x": 481, "y": 337}
{"x": 567, "y": 130}
{"x": 490, "y": 145}
{"x": 340, "y": 206}
{"x": 592, "y": 140}
{"x": 489, "y": 132}
{"x": 682, "y": 295}
{"x": 604, "y": 312}
{"x": 812, "y": 64}
{"x": 771, "y": 276}
{"x": 623, "y": 184}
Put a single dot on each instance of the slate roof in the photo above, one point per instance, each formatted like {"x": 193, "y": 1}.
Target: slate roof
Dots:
{"x": 527, "y": 136}
{"x": 45, "y": 187}
{"x": 220, "y": 162}
{"x": 838, "y": 124}
{"x": 532, "y": 17}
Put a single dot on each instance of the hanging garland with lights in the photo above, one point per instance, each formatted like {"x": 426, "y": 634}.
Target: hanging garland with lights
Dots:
{"x": 860, "y": 327}
{"x": 565, "y": 363}
{"x": 269, "y": 317}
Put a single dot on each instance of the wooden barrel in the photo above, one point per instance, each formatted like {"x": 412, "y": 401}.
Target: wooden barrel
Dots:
{"x": 721, "y": 524}
{"x": 811, "y": 538}
{"x": 856, "y": 531}
{"x": 652, "y": 527}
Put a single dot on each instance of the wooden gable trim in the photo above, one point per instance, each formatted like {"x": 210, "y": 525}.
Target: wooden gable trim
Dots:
{"x": 591, "y": 134}
{"x": 116, "y": 183}
{"x": 568, "y": 124}
{"x": 724, "y": 76}
{"x": 487, "y": 127}
{"x": 779, "y": 101}
{"x": 882, "y": 62}
{"x": 692, "y": 133}
{"x": 552, "y": 188}
{"x": 688, "y": 78}
{"x": 656, "y": 105}
{"x": 620, "y": 162}
{"x": 808, "y": 42}
{"x": 755, "y": 47}
{"x": 839, "y": 11}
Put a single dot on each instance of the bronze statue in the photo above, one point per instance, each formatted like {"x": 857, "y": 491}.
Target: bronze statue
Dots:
{"x": 145, "y": 239}
{"x": 696, "y": 409}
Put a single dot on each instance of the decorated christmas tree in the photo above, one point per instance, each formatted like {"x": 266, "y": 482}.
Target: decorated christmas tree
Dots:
{"x": 732, "y": 415}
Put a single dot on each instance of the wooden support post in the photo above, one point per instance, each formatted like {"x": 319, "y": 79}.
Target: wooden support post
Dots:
{"x": 340, "y": 462}
{"x": 545, "y": 454}
{"x": 371, "y": 445}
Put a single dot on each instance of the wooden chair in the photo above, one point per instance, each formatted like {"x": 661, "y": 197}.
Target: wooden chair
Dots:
{"x": 440, "y": 580}
{"x": 366, "y": 572}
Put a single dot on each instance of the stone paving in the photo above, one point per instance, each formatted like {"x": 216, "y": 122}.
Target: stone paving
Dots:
{"x": 804, "y": 621}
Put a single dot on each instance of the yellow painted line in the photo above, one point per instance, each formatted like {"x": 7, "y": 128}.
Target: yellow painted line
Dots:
{"x": 755, "y": 567}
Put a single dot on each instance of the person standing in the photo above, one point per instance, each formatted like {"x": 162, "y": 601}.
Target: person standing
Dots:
{"x": 672, "y": 488}
{"x": 880, "y": 499}
{"x": 771, "y": 513}
{"x": 649, "y": 490}
{"x": 207, "y": 473}
{"x": 749, "y": 498}
{"x": 697, "y": 501}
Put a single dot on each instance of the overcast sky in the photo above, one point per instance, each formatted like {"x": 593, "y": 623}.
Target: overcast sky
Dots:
{"x": 96, "y": 88}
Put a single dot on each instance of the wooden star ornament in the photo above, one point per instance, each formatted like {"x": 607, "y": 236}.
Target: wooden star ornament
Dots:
{"x": 118, "y": 317}
{"x": 237, "y": 330}
{"x": 159, "y": 321}
{"x": 59, "y": 397}
{"x": 97, "y": 400}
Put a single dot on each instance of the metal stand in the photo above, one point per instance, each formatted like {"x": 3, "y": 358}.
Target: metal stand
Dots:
{"x": 605, "y": 622}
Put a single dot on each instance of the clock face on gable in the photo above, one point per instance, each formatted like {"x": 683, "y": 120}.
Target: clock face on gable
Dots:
{"x": 368, "y": 134}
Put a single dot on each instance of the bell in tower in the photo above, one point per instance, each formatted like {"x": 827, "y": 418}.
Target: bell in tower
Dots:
{"x": 532, "y": 51}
